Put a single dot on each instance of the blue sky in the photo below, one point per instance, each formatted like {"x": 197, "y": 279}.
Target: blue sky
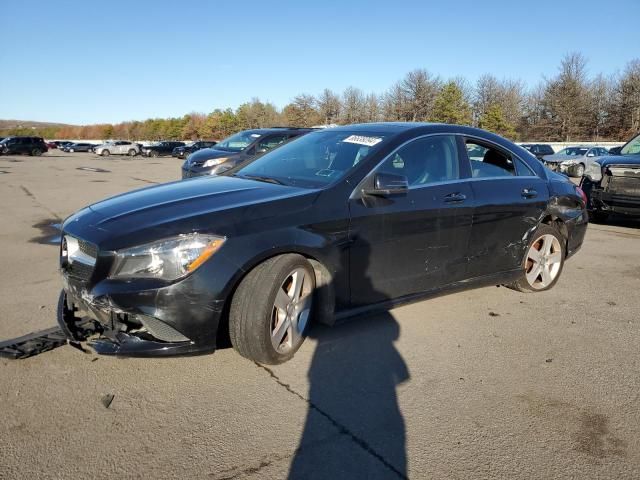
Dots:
{"x": 89, "y": 62}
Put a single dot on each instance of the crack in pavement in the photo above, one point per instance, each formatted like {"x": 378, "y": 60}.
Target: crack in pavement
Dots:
{"x": 144, "y": 180}
{"x": 29, "y": 194}
{"x": 342, "y": 429}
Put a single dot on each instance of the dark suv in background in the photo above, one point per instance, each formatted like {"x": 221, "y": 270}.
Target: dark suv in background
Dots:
{"x": 539, "y": 149}
{"x": 23, "y": 145}
{"x": 160, "y": 148}
{"x": 182, "y": 152}
{"x": 236, "y": 149}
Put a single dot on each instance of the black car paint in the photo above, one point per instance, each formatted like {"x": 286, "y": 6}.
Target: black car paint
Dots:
{"x": 183, "y": 151}
{"x": 539, "y": 150}
{"x": 161, "y": 149}
{"x": 405, "y": 246}
{"x": 18, "y": 145}
{"x": 193, "y": 165}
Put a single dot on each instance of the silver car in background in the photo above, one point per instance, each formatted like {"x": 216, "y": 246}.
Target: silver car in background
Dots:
{"x": 118, "y": 147}
{"x": 573, "y": 161}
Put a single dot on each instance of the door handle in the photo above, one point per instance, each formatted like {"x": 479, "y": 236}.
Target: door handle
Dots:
{"x": 529, "y": 193}
{"x": 455, "y": 198}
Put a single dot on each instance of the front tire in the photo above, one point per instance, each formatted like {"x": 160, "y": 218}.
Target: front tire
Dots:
{"x": 271, "y": 309}
{"x": 71, "y": 150}
{"x": 105, "y": 153}
{"x": 132, "y": 153}
{"x": 543, "y": 262}
{"x": 36, "y": 152}
{"x": 579, "y": 171}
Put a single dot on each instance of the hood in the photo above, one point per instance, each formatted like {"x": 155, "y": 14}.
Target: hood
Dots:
{"x": 619, "y": 160}
{"x": 217, "y": 204}
{"x": 200, "y": 156}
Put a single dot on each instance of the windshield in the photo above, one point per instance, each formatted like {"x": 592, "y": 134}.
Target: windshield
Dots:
{"x": 5, "y": 140}
{"x": 573, "y": 151}
{"x": 314, "y": 160}
{"x": 237, "y": 142}
{"x": 631, "y": 148}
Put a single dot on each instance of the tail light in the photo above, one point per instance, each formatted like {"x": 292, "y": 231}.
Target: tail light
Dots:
{"x": 583, "y": 195}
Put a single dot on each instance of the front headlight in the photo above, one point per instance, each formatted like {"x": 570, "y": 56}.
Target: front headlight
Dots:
{"x": 167, "y": 259}
{"x": 214, "y": 161}
{"x": 594, "y": 172}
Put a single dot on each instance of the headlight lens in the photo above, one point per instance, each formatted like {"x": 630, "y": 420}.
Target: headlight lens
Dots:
{"x": 167, "y": 259}
{"x": 214, "y": 161}
{"x": 594, "y": 172}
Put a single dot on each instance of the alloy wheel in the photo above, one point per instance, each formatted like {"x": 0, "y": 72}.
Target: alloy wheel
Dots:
{"x": 291, "y": 310}
{"x": 543, "y": 263}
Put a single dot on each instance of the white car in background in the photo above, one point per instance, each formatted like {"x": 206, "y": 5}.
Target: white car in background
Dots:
{"x": 118, "y": 147}
{"x": 573, "y": 161}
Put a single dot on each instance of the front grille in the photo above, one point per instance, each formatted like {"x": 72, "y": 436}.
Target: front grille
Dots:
{"x": 624, "y": 186}
{"x": 88, "y": 248}
{"x": 78, "y": 261}
{"x": 79, "y": 270}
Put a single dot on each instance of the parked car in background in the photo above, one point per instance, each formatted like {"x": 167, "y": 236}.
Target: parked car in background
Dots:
{"x": 61, "y": 143}
{"x": 236, "y": 149}
{"x": 539, "y": 149}
{"x": 185, "y": 150}
{"x": 158, "y": 149}
{"x": 117, "y": 147}
{"x": 50, "y": 145}
{"x": 573, "y": 161}
{"x": 23, "y": 146}
{"x": 612, "y": 183}
{"x": 331, "y": 224}
{"x": 78, "y": 147}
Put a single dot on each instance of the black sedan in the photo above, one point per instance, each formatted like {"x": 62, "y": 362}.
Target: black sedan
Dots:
{"x": 78, "y": 147}
{"x": 158, "y": 149}
{"x": 182, "y": 152}
{"x": 337, "y": 222}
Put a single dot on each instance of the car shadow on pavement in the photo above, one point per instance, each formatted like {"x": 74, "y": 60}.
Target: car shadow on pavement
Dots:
{"x": 354, "y": 427}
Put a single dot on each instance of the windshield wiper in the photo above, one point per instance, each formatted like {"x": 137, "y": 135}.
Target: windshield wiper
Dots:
{"x": 261, "y": 178}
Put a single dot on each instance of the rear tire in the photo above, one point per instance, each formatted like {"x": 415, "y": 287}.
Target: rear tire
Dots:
{"x": 543, "y": 262}
{"x": 36, "y": 152}
{"x": 153, "y": 153}
{"x": 132, "y": 153}
{"x": 105, "y": 153}
{"x": 271, "y": 309}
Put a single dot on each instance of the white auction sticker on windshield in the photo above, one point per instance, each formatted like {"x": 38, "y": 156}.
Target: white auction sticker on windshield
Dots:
{"x": 255, "y": 135}
{"x": 362, "y": 140}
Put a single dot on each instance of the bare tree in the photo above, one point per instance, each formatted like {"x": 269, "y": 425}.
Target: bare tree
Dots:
{"x": 419, "y": 90}
{"x": 353, "y": 106}
{"x": 329, "y": 106}
{"x": 566, "y": 97}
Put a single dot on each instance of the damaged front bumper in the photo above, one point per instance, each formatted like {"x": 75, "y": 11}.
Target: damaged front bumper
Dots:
{"x": 129, "y": 322}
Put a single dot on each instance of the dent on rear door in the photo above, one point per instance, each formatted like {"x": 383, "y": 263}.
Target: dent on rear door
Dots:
{"x": 503, "y": 219}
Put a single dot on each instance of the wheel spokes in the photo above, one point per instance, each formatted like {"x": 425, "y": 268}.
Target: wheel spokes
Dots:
{"x": 533, "y": 274}
{"x": 279, "y": 333}
{"x": 282, "y": 300}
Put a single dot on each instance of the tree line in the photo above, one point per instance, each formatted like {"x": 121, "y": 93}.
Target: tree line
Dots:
{"x": 569, "y": 106}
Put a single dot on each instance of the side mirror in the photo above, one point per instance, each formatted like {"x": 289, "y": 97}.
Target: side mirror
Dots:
{"x": 388, "y": 184}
